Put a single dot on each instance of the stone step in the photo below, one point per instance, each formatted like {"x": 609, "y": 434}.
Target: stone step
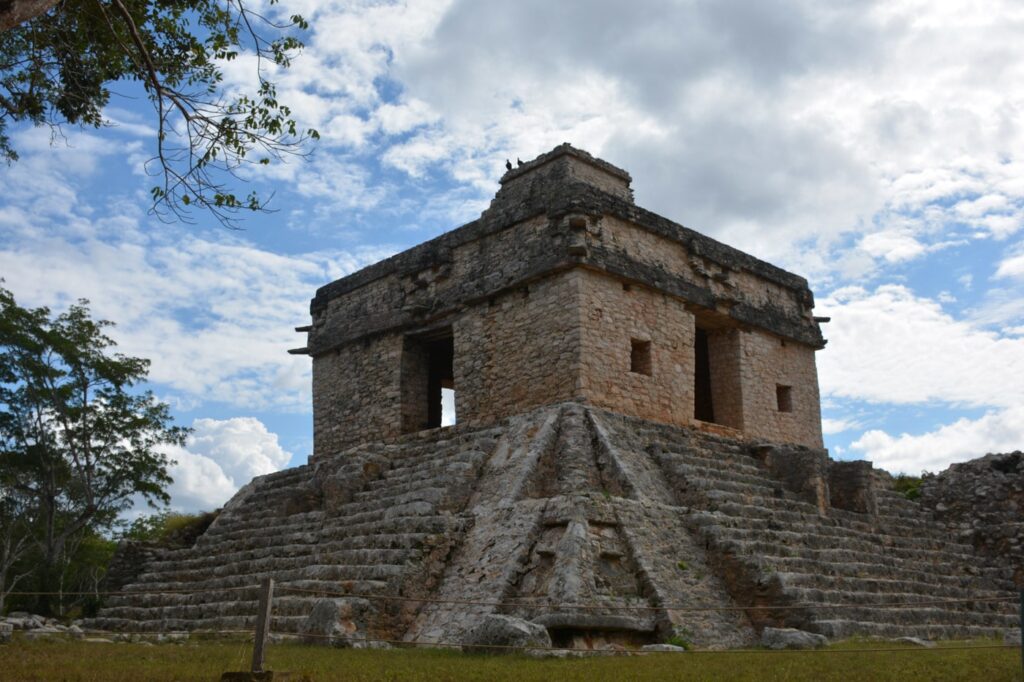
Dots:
{"x": 200, "y": 559}
{"x": 752, "y": 517}
{"x": 398, "y": 484}
{"x": 265, "y": 519}
{"x": 910, "y": 561}
{"x": 284, "y": 477}
{"x": 737, "y": 464}
{"x": 322, "y": 572}
{"x": 425, "y": 524}
{"x": 270, "y": 527}
{"x": 843, "y": 628}
{"x": 319, "y": 554}
{"x": 283, "y": 605}
{"x": 880, "y": 587}
{"x": 846, "y": 594}
{"x": 384, "y": 501}
{"x": 831, "y": 538}
{"x": 415, "y": 517}
{"x": 408, "y": 510}
{"x": 240, "y": 540}
{"x": 231, "y": 626}
{"x": 433, "y": 467}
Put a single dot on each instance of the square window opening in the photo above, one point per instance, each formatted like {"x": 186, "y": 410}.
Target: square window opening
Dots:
{"x": 640, "y": 357}
{"x": 784, "y": 398}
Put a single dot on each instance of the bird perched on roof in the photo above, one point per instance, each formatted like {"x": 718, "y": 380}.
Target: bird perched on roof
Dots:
{"x": 519, "y": 161}
{"x": 508, "y": 165}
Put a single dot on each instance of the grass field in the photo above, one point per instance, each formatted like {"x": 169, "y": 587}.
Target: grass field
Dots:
{"x": 64, "y": 660}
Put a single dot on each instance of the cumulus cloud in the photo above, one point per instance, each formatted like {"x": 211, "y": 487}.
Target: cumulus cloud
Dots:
{"x": 1012, "y": 267}
{"x": 891, "y": 346}
{"x": 767, "y": 124}
{"x": 213, "y": 312}
{"x": 220, "y": 457}
{"x": 831, "y": 426}
{"x": 997, "y": 431}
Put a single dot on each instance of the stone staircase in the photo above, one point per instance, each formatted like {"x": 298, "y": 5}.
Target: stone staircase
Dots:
{"x": 775, "y": 549}
{"x": 649, "y": 514}
{"x": 376, "y": 539}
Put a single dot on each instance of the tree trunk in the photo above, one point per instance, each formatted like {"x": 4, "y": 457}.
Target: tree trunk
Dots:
{"x": 14, "y": 12}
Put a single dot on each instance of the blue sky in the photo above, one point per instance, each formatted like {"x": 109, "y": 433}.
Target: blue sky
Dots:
{"x": 875, "y": 148}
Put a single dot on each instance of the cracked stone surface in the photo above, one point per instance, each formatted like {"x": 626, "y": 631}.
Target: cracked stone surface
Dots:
{"x": 608, "y": 531}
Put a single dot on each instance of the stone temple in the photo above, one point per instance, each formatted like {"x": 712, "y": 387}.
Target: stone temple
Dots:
{"x": 637, "y": 453}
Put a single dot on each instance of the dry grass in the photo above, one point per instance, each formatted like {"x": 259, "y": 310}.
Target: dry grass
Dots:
{"x": 80, "y": 661}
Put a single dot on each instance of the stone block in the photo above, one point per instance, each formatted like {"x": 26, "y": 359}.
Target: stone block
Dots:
{"x": 336, "y": 622}
{"x": 791, "y": 638}
{"x": 667, "y": 648}
{"x": 498, "y": 634}
{"x": 851, "y": 486}
{"x": 803, "y": 471}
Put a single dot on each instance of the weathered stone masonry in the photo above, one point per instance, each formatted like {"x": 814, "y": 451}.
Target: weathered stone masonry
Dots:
{"x": 546, "y": 297}
{"x": 638, "y": 433}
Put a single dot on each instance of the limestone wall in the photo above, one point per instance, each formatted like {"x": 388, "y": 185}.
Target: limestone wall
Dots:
{"x": 357, "y": 394}
{"x": 768, "y": 363}
{"x": 734, "y": 284}
{"x": 612, "y": 317}
{"x": 747, "y": 367}
{"x": 552, "y": 295}
{"x": 518, "y": 350}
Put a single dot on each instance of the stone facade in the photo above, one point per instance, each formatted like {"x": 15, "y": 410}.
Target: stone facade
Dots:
{"x": 554, "y": 294}
{"x": 638, "y": 434}
{"x": 604, "y": 529}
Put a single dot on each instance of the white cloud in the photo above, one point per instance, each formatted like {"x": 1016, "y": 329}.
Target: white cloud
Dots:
{"x": 893, "y": 246}
{"x": 764, "y": 124}
{"x": 782, "y": 126}
{"x": 997, "y": 431}
{"x": 1012, "y": 267}
{"x": 831, "y": 426}
{"x": 220, "y": 457}
{"x": 214, "y": 313}
{"x": 890, "y": 346}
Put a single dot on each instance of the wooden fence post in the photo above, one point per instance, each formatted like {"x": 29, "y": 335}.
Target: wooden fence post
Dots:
{"x": 262, "y": 624}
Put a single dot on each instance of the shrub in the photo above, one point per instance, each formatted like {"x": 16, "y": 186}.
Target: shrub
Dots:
{"x": 908, "y": 486}
{"x": 171, "y": 529}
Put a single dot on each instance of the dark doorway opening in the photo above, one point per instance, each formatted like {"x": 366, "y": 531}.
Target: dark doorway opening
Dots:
{"x": 703, "y": 405}
{"x": 428, "y": 374}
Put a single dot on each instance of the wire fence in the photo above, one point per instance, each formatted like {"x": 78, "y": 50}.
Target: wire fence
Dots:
{"x": 540, "y": 601}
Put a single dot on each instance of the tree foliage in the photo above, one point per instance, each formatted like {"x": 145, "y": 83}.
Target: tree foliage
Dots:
{"x": 79, "y": 441}
{"x": 57, "y": 68}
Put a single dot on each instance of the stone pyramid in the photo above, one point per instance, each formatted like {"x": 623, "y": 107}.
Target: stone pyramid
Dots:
{"x": 637, "y": 453}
